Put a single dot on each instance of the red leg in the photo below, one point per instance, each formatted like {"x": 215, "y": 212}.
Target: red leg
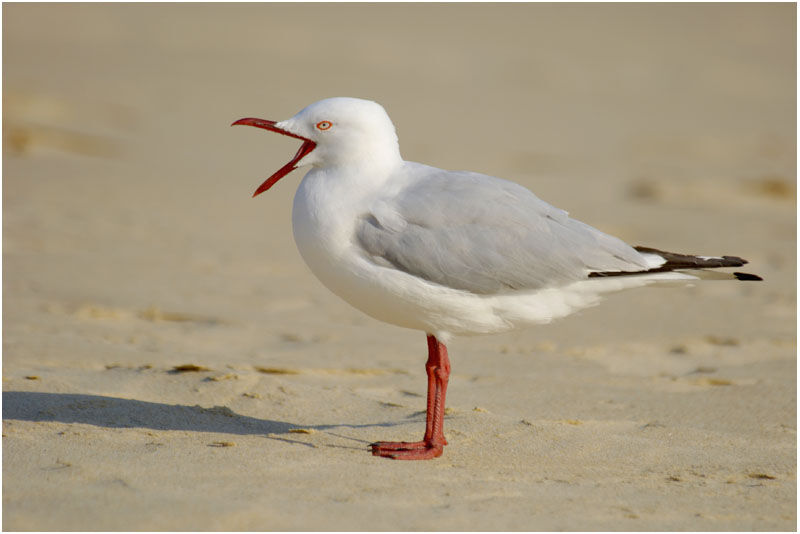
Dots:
{"x": 432, "y": 444}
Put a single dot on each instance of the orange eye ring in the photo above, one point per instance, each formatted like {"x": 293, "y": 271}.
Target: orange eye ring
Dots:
{"x": 324, "y": 125}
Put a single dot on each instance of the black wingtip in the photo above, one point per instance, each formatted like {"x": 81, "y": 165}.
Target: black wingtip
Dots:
{"x": 747, "y": 276}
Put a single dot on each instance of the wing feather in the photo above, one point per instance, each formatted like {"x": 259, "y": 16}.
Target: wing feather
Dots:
{"x": 485, "y": 235}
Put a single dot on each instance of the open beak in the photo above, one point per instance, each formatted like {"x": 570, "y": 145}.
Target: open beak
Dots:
{"x": 305, "y": 149}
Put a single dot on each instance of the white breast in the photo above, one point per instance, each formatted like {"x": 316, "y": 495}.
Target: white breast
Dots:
{"x": 323, "y": 219}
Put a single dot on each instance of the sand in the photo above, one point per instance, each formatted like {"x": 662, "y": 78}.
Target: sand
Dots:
{"x": 131, "y": 246}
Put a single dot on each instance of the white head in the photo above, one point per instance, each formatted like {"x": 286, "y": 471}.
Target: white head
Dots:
{"x": 336, "y": 131}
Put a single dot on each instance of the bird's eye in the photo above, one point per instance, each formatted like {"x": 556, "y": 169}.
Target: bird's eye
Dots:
{"x": 323, "y": 125}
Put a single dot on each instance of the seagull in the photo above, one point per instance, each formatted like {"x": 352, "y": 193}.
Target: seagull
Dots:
{"x": 446, "y": 252}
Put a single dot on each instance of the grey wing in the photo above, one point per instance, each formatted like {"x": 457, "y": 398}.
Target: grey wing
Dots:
{"x": 485, "y": 235}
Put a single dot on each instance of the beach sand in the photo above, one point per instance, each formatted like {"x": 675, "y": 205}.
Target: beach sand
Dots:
{"x": 131, "y": 246}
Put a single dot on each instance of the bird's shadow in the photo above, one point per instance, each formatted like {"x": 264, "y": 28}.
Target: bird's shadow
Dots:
{"x": 114, "y": 412}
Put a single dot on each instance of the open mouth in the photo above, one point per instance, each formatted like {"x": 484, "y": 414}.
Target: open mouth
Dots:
{"x": 305, "y": 149}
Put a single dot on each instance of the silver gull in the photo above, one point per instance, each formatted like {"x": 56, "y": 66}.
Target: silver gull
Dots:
{"x": 446, "y": 252}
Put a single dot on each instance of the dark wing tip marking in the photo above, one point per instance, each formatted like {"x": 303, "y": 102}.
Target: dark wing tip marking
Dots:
{"x": 689, "y": 261}
{"x": 676, "y": 261}
{"x": 747, "y": 276}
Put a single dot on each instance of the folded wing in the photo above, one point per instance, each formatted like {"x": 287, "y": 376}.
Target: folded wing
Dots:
{"x": 485, "y": 235}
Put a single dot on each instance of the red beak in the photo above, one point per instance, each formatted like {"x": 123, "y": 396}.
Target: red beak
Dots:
{"x": 305, "y": 149}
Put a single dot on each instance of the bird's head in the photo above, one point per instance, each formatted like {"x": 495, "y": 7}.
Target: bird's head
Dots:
{"x": 335, "y": 131}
